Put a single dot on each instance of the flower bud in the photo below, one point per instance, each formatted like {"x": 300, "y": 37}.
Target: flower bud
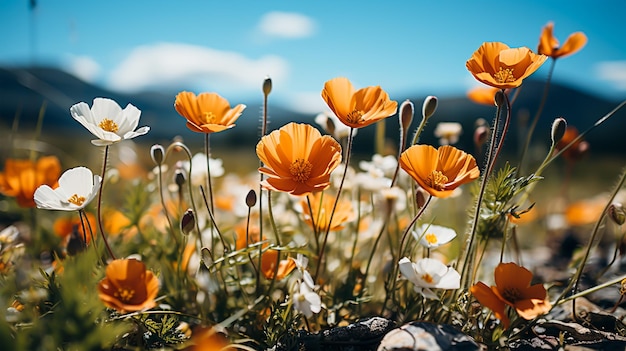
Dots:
{"x": 558, "y": 130}
{"x": 267, "y": 86}
{"x": 481, "y": 134}
{"x": 251, "y": 198}
{"x": 179, "y": 177}
{"x": 499, "y": 98}
{"x": 406, "y": 114}
{"x": 617, "y": 213}
{"x": 429, "y": 106}
{"x": 188, "y": 222}
{"x": 420, "y": 198}
{"x": 157, "y": 153}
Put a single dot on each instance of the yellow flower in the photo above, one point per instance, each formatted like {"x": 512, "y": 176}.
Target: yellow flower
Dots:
{"x": 297, "y": 159}
{"x": 128, "y": 286}
{"x": 549, "y": 45}
{"x": 512, "y": 288}
{"x": 439, "y": 171}
{"x": 499, "y": 66}
{"x": 207, "y": 112}
{"x": 322, "y": 206}
{"x": 21, "y": 178}
{"x": 359, "y": 108}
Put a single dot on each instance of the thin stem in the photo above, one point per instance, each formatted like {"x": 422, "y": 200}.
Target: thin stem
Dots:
{"x": 479, "y": 200}
{"x": 533, "y": 124}
{"x": 330, "y": 218}
{"x": 167, "y": 215}
{"x": 507, "y": 120}
{"x": 574, "y": 283}
{"x": 100, "y": 226}
{"x": 206, "y": 203}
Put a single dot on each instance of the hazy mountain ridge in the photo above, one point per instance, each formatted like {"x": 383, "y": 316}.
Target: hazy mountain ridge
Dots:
{"x": 24, "y": 90}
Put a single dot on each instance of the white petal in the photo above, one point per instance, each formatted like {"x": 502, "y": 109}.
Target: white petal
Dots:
{"x": 408, "y": 270}
{"x": 77, "y": 180}
{"x": 130, "y": 119}
{"x": 48, "y": 199}
{"x": 450, "y": 280}
{"x": 106, "y": 108}
{"x": 138, "y": 132}
{"x": 100, "y": 142}
{"x": 429, "y": 294}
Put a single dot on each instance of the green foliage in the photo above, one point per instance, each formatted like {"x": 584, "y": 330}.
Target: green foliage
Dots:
{"x": 499, "y": 201}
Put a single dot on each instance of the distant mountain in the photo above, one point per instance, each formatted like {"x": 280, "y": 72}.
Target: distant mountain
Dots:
{"x": 24, "y": 90}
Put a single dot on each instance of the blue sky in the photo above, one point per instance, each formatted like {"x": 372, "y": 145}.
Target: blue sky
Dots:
{"x": 407, "y": 47}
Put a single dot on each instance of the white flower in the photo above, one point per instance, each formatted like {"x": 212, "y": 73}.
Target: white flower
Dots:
{"x": 301, "y": 262}
{"x": 431, "y": 236}
{"x": 448, "y": 132}
{"x": 199, "y": 169}
{"x": 429, "y": 273}
{"x": 107, "y": 121}
{"x": 77, "y": 187}
{"x": 307, "y": 301}
{"x": 386, "y": 164}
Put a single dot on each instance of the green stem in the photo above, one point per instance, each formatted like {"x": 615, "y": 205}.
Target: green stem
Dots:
{"x": 100, "y": 226}
{"x": 533, "y": 124}
{"x": 330, "y": 218}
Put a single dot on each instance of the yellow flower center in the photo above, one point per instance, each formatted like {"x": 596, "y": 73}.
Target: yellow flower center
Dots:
{"x": 427, "y": 278}
{"x": 354, "y": 116}
{"x": 209, "y": 117}
{"x": 431, "y": 238}
{"x": 76, "y": 200}
{"x": 437, "y": 180}
{"x": 125, "y": 294}
{"x": 512, "y": 294}
{"x": 300, "y": 169}
{"x": 109, "y": 126}
{"x": 504, "y": 75}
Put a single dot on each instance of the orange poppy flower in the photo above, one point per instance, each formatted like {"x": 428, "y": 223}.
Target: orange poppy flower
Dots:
{"x": 268, "y": 265}
{"x": 21, "y": 178}
{"x": 499, "y": 66}
{"x": 513, "y": 288}
{"x": 128, "y": 286}
{"x": 483, "y": 95}
{"x": 549, "y": 45}
{"x": 208, "y": 339}
{"x": 297, "y": 159}
{"x": 439, "y": 171}
{"x": 586, "y": 211}
{"x": 64, "y": 226}
{"x": 359, "y": 108}
{"x": 577, "y": 150}
{"x": 322, "y": 206}
{"x": 207, "y": 112}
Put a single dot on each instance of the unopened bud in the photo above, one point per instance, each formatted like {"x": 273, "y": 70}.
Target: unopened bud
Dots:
{"x": 179, "y": 177}
{"x": 251, "y": 198}
{"x": 429, "y": 106}
{"x": 406, "y": 114}
{"x": 157, "y": 153}
{"x": 481, "y": 134}
{"x": 420, "y": 198}
{"x": 188, "y": 222}
{"x": 267, "y": 86}
{"x": 558, "y": 130}
{"x": 499, "y": 98}
{"x": 617, "y": 213}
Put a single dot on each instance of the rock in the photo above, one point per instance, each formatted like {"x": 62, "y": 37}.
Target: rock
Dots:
{"x": 363, "y": 335}
{"x": 424, "y": 336}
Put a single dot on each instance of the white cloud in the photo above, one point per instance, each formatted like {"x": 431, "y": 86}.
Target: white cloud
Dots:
{"x": 613, "y": 72}
{"x": 83, "y": 67}
{"x": 184, "y": 66}
{"x": 286, "y": 25}
{"x": 311, "y": 103}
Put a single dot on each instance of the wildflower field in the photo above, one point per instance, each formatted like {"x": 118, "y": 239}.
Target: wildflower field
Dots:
{"x": 301, "y": 245}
